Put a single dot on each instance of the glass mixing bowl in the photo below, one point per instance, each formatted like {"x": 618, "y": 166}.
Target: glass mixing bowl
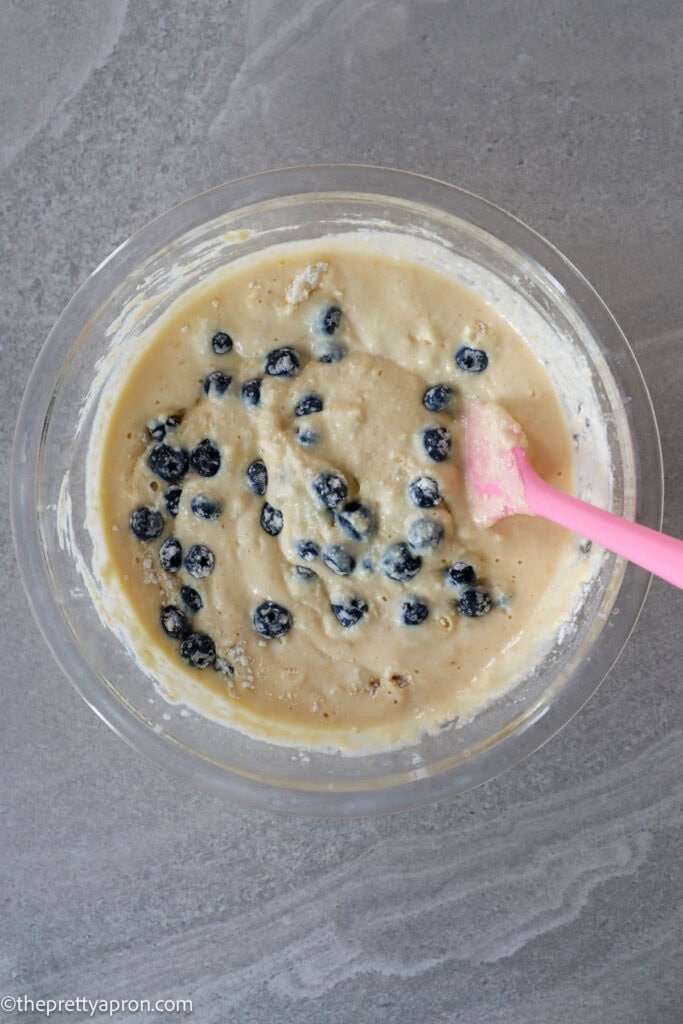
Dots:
{"x": 618, "y": 460}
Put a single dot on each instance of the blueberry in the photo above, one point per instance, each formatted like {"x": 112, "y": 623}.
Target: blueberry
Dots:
{"x": 330, "y": 320}
{"x": 191, "y": 599}
{"x": 329, "y": 351}
{"x": 460, "y": 574}
{"x": 257, "y": 477}
{"x": 304, "y": 573}
{"x": 169, "y": 463}
{"x": 199, "y": 650}
{"x": 171, "y": 554}
{"x": 356, "y": 520}
{"x": 338, "y": 559}
{"x": 437, "y": 397}
{"x": 471, "y": 360}
{"x": 414, "y": 611}
{"x": 271, "y": 520}
{"x": 205, "y": 508}
{"x": 307, "y": 437}
{"x": 251, "y": 392}
{"x": 309, "y": 404}
{"x": 271, "y": 620}
{"x": 437, "y": 443}
{"x": 330, "y": 489}
{"x": 205, "y": 458}
{"x": 199, "y": 561}
{"x": 146, "y": 523}
{"x": 173, "y": 421}
{"x": 282, "y": 362}
{"x": 307, "y": 549}
{"x": 216, "y": 383}
{"x": 424, "y": 492}
{"x": 221, "y": 343}
{"x": 399, "y": 562}
{"x": 157, "y": 430}
{"x": 174, "y": 622}
{"x": 223, "y": 666}
{"x": 349, "y": 611}
{"x": 172, "y": 500}
{"x": 425, "y": 533}
{"x": 474, "y": 603}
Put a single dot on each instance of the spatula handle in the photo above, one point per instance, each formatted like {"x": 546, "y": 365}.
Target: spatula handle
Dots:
{"x": 648, "y": 548}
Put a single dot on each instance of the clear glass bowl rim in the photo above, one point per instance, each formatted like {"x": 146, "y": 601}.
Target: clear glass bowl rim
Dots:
{"x": 301, "y": 180}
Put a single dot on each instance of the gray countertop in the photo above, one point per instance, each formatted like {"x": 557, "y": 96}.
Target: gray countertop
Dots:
{"x": 549, "y": 896}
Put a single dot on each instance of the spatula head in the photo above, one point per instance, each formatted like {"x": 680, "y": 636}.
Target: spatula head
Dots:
{"x": 492, "y": 479}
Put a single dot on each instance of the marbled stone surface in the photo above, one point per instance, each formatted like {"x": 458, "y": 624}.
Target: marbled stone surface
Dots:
{"x": 549, "y": 896}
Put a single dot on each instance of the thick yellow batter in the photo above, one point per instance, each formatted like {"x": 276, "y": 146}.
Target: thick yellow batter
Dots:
{"x": 371, "y": 334}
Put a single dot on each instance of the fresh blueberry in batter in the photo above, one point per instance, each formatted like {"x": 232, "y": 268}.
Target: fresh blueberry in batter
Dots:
{"x": 172, "y": 500}
{"x": 205, "y": 458}
{"x": 414, "y": 611}
{"x": 282, "y": 362}
{"x": 357, "y": 520}
{"x": 171, "y": 554}
{"x": 147, "y": 523}
{"x": 251, "y": 393}
{"x": 191, "y": 599}
{"x": 349, "y": 611}
{"x": 309, "y": 404}
{"x": 257, "y": 477}
{"x": 330, "y": 320}
{"x": 331, "y": 489}
{"x": 460, "y": 574}
{"x": 199, "y": 561}
{"x": 437, "y": 443}
{"x": 174, "y": 622}
{"x": 474, "y": 603}
{"x": 205, "y": 508}
{"x": 471, "y": 360}
{"x": 198, "y": 650}
{"x": 221, "y": 343}
{"x": 399, "y": 562}
{"x": 157, "y": 430}
{"x": 216, "y": 383}
{"x": 424, "y": 492}
{"x": 304, "y": 573}
{"x": 329, "y": 351}
{"x": 437, "y": 398}
{"x": 425, "y": 534}
{"x": 307, "y": 549}
{"x": 169, "y": 463}
{"x": 338, "y": 559}
{"x": 271, "y": 520}
{"x": 271, "y": 620}
{"x": 307, "y": 437}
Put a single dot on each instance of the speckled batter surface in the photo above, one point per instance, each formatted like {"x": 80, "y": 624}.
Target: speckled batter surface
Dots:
{"x": 278, "y": 504}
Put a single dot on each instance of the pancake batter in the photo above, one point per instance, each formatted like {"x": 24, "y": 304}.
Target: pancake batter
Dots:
{"x": 278, "y": 508}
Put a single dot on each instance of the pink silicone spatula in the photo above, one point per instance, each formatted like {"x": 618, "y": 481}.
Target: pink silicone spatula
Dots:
{"x": 500, "y": 481}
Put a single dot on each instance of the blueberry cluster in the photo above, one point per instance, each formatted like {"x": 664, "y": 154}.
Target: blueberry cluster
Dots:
{"x": 400, "y": 561}
{"x": 171, "y": 463}
{"x": 472, "y": 601}
{"x": 196, "y": 648}
{"x": 157, "y": 429}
